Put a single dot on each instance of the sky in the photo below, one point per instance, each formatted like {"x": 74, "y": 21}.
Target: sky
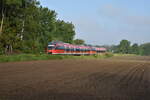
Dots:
{"x": 105, "y": 22}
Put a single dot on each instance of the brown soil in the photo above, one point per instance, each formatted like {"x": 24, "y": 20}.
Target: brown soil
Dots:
{"x": 107, "y": 79}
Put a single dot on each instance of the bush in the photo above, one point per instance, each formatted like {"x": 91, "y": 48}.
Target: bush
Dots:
{"x": 109, "y": 54}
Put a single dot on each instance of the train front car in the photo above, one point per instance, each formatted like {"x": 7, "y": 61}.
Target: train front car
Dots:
{"x": 51, "y": 48}
{"x": 55, "y": 48}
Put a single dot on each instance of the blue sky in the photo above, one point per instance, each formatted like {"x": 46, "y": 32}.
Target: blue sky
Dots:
{"x": 105, "y": 21}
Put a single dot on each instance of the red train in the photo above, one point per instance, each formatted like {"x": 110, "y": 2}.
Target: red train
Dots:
{"x": 70, "y": 49}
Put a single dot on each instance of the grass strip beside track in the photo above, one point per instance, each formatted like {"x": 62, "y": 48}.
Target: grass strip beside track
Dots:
{"x": 32, "y": 57}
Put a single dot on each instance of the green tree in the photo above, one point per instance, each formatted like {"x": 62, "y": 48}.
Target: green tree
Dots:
{"x": 79, "y": 42}
{"x": 124, "y": 47}
{"x": 27, "y": 26}
{"x": 135, "y": 48}
{"x": 65, "y": 31}
{"x": 31, "y": 35}
{"x": 145, "y": 49}
{"x": 47, "y": 24}
{"x": 10, "y": 23}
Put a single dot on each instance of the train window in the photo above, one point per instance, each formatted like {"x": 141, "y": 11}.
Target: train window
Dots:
{"x": 60, "y": 47}
{"x": 82, "y": 49}
{"x": 50, "y": 47}
{"x": 93, "y": 49}
{"x": 67, "y": 49}
{"x": 72, "y": 49}
{"x": 88, "y": 50}
{"x": 77, "y": 49}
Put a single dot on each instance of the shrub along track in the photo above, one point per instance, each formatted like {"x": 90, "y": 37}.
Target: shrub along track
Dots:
{"x": 105, "y": 79}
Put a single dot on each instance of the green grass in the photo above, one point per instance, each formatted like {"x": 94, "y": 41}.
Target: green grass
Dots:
{"x": 119, "y": 54}
{"x": 28, "y": 57}
{"x": 32, "y": 57}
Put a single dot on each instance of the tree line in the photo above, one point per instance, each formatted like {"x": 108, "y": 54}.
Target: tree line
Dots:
{"x": 125, "y": 47}
{"x": 26, "y": 26}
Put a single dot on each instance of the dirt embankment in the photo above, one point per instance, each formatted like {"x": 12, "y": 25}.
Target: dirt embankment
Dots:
{"x": 107, "y": 79}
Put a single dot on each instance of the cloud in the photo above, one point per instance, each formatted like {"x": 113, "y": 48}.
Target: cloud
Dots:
{"x": 88, "y": 24}
{"x": 124, "y": 18}
{"x": 110, "y": 10}
{"x": 87, "y": 28}
{"x": 142, "y": 21}
{"x": 92, "y": 31}
{"x": 111, "y": 25}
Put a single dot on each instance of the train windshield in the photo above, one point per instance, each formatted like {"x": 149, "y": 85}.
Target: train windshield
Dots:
{"x": 50, "y": 47}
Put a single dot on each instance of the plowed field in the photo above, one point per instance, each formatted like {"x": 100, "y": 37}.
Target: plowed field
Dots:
{"x": 117, "y": 78}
